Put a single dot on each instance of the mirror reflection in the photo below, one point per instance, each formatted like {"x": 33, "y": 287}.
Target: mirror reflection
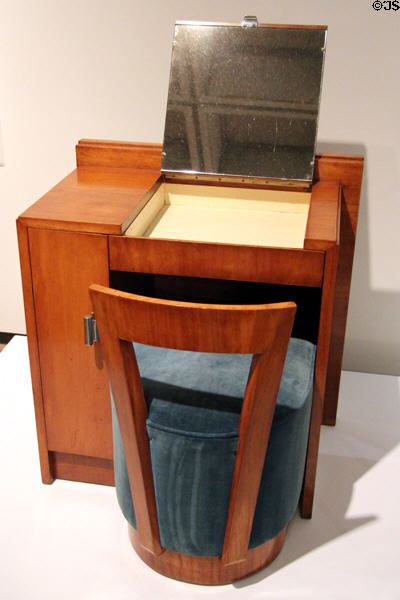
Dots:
{"x": 244, "y": 101}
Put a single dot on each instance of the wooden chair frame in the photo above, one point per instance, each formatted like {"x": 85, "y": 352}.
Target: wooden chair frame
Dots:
{"x": 261, "y": 330}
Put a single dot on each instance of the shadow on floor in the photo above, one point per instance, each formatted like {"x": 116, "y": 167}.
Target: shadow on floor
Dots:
{"x": 4, "y": 339}
{"x": 366, "y": 431}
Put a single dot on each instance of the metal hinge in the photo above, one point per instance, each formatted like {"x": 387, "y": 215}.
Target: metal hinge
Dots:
{"x": 250, "y": 21}
{"x": 91, "y": 332}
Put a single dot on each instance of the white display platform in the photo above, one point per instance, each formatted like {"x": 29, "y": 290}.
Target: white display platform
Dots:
{"x": 69, "y": 540}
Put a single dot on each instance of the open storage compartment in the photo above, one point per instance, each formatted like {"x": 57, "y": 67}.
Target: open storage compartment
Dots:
{"x": 210, "y": 213}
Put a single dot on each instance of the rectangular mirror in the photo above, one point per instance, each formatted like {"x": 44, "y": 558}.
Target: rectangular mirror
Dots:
{"x": 243, "y": 101}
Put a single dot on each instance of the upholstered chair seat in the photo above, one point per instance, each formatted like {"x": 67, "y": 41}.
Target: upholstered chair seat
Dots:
{"x": 194, "y": 402}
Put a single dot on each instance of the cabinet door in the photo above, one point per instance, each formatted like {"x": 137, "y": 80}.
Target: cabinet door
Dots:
{"x": 74, "y": 379}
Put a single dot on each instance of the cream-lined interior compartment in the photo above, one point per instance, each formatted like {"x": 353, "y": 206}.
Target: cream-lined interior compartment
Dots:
{"x": 224, "y": 214}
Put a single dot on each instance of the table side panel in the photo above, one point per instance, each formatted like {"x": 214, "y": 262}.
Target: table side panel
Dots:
{"x": 348, "y": 171}
{"x": 320, "y": 380}
{"x": 30, "y": 318}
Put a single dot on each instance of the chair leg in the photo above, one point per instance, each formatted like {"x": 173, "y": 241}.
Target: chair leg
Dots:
{"x": 310, "y": 471}
{"x": 306, "y": 506}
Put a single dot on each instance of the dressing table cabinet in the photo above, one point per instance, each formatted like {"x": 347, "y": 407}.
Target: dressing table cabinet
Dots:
{"x": 194, "y": 234}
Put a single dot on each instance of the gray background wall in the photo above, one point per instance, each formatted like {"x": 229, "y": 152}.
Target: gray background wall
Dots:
{"x": 99, "y": 69}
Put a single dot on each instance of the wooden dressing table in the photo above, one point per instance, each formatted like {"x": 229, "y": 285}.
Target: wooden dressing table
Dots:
{"x": 117, "y": 220}
{"x": 74, "y": 236}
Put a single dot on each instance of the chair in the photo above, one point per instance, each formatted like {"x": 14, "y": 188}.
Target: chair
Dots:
{"x": 204, "y": 499}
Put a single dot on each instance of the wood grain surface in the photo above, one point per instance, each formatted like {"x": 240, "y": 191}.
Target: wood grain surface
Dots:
{"x": 219, "y": 261}
{"x": 30, "y": 319}
{"x": 75, "y": 385}
{"x": 348, "y": 171}
{"x": 320, "y": 380}
{"x": 131, "y": 155}
{"x": 323, "y": 224}
{"x": 76, "y": 467}
{"x": 94, "y": 200}
{"x": 205, "y": 569}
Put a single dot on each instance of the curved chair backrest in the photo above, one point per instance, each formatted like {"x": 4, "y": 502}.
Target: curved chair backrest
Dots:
{"x": 261, "y": 330}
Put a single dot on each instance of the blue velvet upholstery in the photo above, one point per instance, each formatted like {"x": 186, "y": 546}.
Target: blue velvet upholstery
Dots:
{"x": 194, "y": 406}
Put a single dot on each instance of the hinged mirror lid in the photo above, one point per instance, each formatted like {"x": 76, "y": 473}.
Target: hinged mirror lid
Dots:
{"x": 243, "y": 100}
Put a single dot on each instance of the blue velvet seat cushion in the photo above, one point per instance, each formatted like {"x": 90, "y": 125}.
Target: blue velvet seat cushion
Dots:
{"x": 194, "y": 404}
